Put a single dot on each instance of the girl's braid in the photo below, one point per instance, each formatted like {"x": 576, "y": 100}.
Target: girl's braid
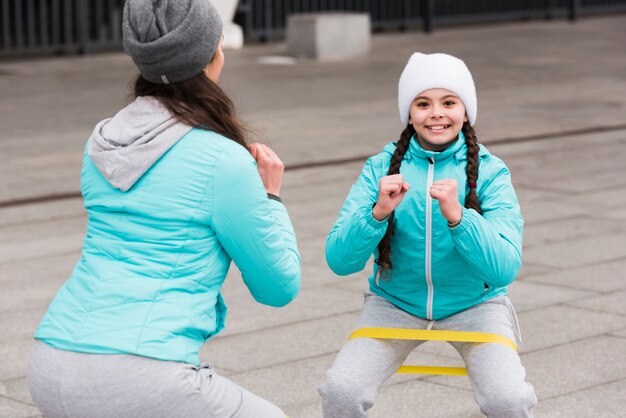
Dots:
{"x": 471, "y": 200}
{"x": 384, "y": 246}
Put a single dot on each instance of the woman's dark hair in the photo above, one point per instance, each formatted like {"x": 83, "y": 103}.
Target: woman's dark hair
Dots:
{"x": 471, "y": 200}
{"x": 198, "y": 102}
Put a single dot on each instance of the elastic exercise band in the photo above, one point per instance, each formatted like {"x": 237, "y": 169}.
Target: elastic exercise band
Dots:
{"x": 432, "y": 335}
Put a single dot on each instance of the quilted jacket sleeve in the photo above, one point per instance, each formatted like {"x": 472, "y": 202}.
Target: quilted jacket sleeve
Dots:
{"x": 255, "y": 231}
{"x": 492, "y": 243}
{"x": 355, "y": 235}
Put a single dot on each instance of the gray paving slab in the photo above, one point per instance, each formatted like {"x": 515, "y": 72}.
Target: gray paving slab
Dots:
{"x": 31, "y": 284}
{"x": 313, "y": 410}
{"x": 533, "y": 153}
{"x": 245, "y": 315}
{"x": 17, "y": 390}
{"x": 315, "y": 249}
{"x": 356, "y": 282}
{"x": 604, "y": 277}
{"x": 12, "y": 409}
{"x": 280, "y": 345}
{"x": 435, "y": 353}
{"x": 580, "y": 365}
{"x": 541, "y": 207}
{"x": 22, "y": 295}
{"x": 619, "y": 333}
{"x": 600, "y": 203}
{"x": 530, "y": 296}
{"x": 32, "y": 241}
{"x": 529, "y": 270}
{"x": 613, "y": 214}
{"x": 40, "y": 212}
{"x": 319, "y": 274}
{"x": 579, "y": 253}
{"x": 42, "y": 268}
{"x": 570, "y": 229}
{"x": 14, "y": 355}
{"x": 614, "y": 302}
{"x": 554, "y": 325}
{"x": 558, "y": 177}
{"x": 605, "y": 400}
{"x": 19, "y": 324}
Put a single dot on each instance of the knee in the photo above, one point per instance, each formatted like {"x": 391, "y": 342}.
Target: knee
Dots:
{"x": 344, "y": 397}
{"x": 510, "y": 404}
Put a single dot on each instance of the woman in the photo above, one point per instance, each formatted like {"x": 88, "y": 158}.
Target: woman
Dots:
{"x": 173, "y": 194}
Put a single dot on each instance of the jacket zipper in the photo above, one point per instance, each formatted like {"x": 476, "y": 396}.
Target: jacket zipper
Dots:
{"x": 429, "y": 225}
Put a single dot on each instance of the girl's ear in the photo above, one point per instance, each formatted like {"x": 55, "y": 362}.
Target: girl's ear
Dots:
{"x": 465, "y": 118}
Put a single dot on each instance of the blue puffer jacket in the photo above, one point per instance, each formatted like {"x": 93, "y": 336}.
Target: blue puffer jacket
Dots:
{"x": 155, "y": 257}
{"x": 437, "y": 271}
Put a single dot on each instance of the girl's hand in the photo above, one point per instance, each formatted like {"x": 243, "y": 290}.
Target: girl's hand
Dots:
{"x": 445, "y": 191}
{"x": 270, "y": 167}
{"x": 391, "y": 191}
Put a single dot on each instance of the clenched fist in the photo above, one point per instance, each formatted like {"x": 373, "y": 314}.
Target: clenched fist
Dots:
{"x": 446, "y": 192}
{"x": 391, "y": 191}
{"x": 270, "y": 167}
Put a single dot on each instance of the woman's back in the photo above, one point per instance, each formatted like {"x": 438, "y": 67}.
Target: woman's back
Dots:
{"x": 152, "y": 264}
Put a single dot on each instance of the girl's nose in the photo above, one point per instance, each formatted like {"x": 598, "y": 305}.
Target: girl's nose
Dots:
{"x": 437, "y": 113}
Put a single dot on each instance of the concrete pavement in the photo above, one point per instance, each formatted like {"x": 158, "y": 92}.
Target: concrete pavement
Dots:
{"x": 536, "y": 82}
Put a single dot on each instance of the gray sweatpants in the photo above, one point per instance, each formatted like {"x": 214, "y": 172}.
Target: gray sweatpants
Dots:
{"x": 65, "y": 384}
{"x": 364, "y": 364}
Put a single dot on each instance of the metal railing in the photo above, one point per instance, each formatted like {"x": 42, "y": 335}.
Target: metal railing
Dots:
{"x": 59, "y": 26}
{"x": 266, "y": 19}
{"x": 36, "y": 27}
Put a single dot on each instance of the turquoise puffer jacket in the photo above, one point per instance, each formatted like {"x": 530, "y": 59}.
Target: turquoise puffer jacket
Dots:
{"x": 155, "y": 257}
{"x": 437, "y": 271}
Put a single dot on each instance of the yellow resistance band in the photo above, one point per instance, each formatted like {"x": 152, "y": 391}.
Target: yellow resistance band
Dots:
{"x": 432, "y": 335}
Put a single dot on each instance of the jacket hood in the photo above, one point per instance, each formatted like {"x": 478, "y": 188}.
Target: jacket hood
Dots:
{"x": 124, "y": 147}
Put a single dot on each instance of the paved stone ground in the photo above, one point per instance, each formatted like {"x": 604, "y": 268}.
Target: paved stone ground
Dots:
{"x": 536, "y": 82}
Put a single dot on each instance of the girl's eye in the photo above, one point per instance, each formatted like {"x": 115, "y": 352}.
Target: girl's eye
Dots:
{"x": 449, "y": 103}
{"x": 421, "y": 104}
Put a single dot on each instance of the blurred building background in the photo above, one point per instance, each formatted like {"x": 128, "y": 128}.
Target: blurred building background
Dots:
{"x": 45, "y": 27}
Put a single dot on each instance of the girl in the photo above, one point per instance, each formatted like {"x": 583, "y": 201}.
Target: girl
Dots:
{"x": 439, "y": 264}
{"x": 172, "y": 194}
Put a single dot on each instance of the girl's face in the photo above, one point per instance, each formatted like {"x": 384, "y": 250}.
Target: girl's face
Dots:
{"x": 437, "y": 116}
{"x": 214, "y": 68}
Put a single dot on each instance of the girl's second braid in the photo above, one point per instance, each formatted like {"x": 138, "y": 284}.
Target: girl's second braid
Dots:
{"x": 384, "y": 246}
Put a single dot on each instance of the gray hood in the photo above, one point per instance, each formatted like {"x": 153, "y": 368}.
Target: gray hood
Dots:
{"x": 125, "y": 146}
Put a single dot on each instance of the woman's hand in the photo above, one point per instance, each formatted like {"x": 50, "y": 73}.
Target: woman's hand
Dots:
{"x": 446, "y": 192}
{"x": 270, "y": 167}
{"x": 391, "y": 191}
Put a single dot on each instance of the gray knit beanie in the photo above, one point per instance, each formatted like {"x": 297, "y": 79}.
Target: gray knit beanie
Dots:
{"x": 170, "y": 40}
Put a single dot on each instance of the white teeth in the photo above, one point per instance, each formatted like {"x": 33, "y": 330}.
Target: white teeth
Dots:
{"x": 438, "y": 127}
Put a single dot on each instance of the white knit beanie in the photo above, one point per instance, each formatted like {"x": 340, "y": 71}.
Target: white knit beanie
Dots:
{"x": 431, "y": 71}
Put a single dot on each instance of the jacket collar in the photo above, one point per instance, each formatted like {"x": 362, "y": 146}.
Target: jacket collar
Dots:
{"x": 456, "y": 149}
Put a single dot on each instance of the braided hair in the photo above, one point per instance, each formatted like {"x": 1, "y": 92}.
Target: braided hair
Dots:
{"x": 471, "y": 200}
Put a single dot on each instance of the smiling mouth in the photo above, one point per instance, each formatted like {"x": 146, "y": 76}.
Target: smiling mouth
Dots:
{"x": 437, "y": 128}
